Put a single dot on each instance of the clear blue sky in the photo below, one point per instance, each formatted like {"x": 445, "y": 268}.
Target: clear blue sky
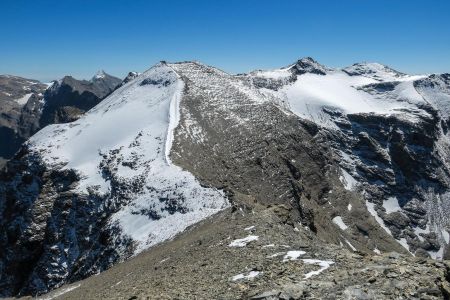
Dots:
{"x": 46, "y": 39}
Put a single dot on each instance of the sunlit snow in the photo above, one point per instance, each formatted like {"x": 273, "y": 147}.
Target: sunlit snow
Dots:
{"x": 134, "y": 124}
{"x": 244, "y": 241}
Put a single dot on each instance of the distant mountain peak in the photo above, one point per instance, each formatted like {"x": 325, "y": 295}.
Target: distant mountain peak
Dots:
{"x": 374, "y": 70}
{"x": 100, "y": 75}
{"x": 309, "y": 65}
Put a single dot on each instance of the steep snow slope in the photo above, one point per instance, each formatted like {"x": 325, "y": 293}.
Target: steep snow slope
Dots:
{"x": 133, "y": 130}
{"x": 98, "y": 190}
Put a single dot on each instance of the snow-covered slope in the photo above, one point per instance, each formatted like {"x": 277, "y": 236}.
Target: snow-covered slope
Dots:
{"x": 316, "y": 97}
{"x": 132, "y": 130}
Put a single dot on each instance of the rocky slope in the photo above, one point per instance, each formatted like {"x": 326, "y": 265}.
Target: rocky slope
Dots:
{"x": 278, "y": 261}
{"x": 20, "y": 99}
{"x": 333, "y": 161}
{"x": 28, "y": 105}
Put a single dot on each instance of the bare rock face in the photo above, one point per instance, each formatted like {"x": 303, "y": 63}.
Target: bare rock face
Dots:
{"x": 68, "y": 98}
{"x": 342, "y": 166}
{"x": 20, "y": 101}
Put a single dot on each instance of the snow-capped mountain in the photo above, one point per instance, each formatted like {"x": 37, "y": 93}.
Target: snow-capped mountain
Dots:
{"x": 388, "y": 133}
{"x": 358, "y": 157}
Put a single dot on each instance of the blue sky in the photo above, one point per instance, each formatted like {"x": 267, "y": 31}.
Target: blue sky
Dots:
{"x": 46, "y": 39}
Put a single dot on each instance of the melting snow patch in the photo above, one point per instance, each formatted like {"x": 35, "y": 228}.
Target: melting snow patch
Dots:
{"x": 347, "y": 180}
{"x": 372, "y": 211}
{"x": 349, "y": 207}
{"x": 293, "y": 255}
{"x": 268, "y": 246}
{"x": 276, "y": 254}
{"x": 404, "y": 243}
{"x": 418, "y": 231}
{"x": 391, "y": 205}
{"x": 249, "y": 228}
{"x": 445, "y": 235}
{"x": 250, "y": 275}
{"x": 244, "y": 241}
{"x": 437, "y": 254}
{"x": 377, "y": 251}
{"x": 338, "y": 221}
{"x": 350, "y": 245}
{"x": 324, "y": 264}
{"x": 24, "y": 99}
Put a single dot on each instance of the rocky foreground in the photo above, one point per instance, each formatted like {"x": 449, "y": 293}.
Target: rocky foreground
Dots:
{"x": 259, "y": 254}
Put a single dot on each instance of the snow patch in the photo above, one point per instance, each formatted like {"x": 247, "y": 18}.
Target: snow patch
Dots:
{"x": 372, "y": 211}
{"x": 276, "y": 254}
{"x": 404, "y": 243}
{"x": 438, "y": 255}
{"x": 445, "y": 235}
{"x": 350, "y": 245}
{"x": 339, "y": 222}
{"x": 324, "y": 264}
{"x": 244, "y": 241}
{"x": 347, "y": 180}
{"x": 250, "y": 275}
{"x": 293, "y": 255}
{"x": 23, "y": 100}
{"x": 418, "y": 231}
{"x": 391, "y": 205}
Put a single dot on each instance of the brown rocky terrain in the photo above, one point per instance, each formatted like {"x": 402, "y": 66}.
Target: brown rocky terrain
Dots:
{"x": 200, "y": 264}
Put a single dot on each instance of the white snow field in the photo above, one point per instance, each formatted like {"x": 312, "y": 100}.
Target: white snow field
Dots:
{"x": 311, "y": 93}
{"x": 134, "y": 124}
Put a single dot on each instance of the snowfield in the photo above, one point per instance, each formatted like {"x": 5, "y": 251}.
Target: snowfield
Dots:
{"x": 127, "y": 139}
{"x": 337, "y": 91}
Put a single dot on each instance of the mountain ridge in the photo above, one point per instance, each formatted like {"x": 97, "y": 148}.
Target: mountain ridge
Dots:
{"x": 358, "y": 162}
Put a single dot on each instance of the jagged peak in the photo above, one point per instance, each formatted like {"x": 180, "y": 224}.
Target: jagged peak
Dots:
{"x": 100, "y": 75}
{"x": 308, "y": 65}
